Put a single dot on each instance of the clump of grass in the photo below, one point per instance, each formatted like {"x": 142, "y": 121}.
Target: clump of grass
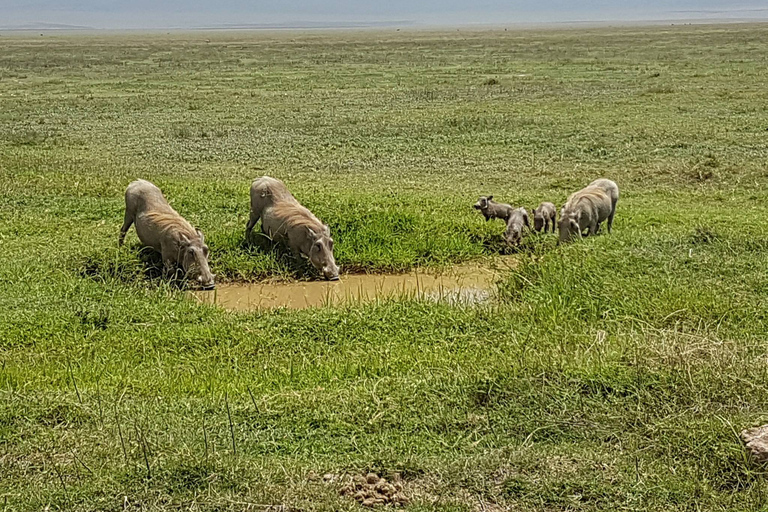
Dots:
{"x": 704, "y": 235}
{"x": 93, "y": 318}
{"x": 29, "y": 136}
{"x": 704, "y": 168}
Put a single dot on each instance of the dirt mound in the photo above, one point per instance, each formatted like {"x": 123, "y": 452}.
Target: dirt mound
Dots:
{"x": 372, "y": 490}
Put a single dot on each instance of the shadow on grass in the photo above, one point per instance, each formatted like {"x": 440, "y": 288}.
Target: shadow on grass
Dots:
{"x": 233, "y": 259}
{"x": 296, "y": 268}
{"x": 129, "y": 265}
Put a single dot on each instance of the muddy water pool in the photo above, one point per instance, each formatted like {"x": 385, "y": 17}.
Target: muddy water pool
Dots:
{"x": 468, "y": 284}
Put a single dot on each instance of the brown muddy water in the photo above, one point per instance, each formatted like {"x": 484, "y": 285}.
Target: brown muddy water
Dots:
{"x": 462, "y": 284}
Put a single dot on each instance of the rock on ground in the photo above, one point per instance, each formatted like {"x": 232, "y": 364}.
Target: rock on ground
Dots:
{"x": 756, "y": 441}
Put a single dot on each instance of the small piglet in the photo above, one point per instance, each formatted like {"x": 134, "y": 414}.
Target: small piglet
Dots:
{"x": 518, "y": 219}
{"x": 544, "y": 217}
{"x": 493, "y": 210}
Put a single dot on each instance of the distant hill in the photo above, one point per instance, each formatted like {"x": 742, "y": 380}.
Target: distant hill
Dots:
{"x": 308, "y": 14}
{"x": 45, "y": 26}
{"x": 304, "y": 24}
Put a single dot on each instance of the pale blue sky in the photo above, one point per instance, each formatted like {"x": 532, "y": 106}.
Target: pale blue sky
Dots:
{"x": 207, "y": 13}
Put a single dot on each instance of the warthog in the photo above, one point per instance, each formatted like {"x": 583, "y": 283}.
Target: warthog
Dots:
{"x": 493, "y": 210}
{"x": 285, "y": 220}
{"x": 586, "y": 208}
{"x": 544, "y": 217}
{"x": 518, "y": 220}
{"x": 612, "y": 191}
{"x": 162, "y": 228}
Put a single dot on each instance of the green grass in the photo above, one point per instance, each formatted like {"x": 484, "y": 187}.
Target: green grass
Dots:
{"x": 610, "y": 374}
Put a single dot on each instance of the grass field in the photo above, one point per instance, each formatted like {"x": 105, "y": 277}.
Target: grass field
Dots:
{"x": 610, "y": 374}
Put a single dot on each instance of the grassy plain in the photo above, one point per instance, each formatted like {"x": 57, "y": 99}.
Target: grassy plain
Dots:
{"x": 612, "y": 374}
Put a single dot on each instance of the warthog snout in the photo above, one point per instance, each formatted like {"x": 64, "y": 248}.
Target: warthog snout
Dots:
{"x": 206, "y": 284}
{"x": 482, "y": 203}
{"x": 331, "y": 273}
{"x": 514, "y": 237}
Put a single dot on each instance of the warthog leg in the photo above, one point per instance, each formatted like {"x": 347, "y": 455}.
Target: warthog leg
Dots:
{"x": 126, "y": 226}
{"x": 249, "y": 227}
{"x": 169, "y": 268}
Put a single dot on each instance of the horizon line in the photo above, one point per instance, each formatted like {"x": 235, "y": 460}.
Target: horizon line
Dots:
{"x": 362, "y": 25}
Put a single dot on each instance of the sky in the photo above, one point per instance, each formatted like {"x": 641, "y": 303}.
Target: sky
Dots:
{"x": 149, "y": 14}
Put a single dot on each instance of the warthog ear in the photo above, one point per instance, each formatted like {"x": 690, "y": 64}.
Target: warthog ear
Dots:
{"x": 327, "y": 230}
{"x": 184, "y": 240}
{"x": 201, "y": 235}
{"x": 312, "y": 234}
{"x": 489, "y": 198}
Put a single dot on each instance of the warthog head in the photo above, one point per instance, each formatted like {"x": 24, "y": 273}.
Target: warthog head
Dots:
{"x": 538, "y": 220}
{"x": 194, "y": 260}
{"x": 482, "y": 203}
{"x": 568, "y": 226}
{"x": 321, "y": 254}
{"x": 514, "y": 234}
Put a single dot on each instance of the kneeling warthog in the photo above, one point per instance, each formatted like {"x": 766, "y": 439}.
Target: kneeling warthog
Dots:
{"x": 162, "y": 228}
{"x": 588, "y": 208}
{"x": 285, "y": 220}
{"x": 493, "y": 210}
{"x": 544, "y": 217}
{"x": 518, "y": 220}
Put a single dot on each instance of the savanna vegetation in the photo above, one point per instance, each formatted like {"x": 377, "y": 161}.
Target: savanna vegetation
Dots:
{"x": 610, "y": 374}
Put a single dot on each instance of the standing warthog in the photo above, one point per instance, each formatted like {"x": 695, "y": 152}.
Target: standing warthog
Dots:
{"x": 586, "y": 208}
{"x": 284, "y": 219}
{"x": 544, "y": 217}
{"x": 491, "y": 209}
{"x": 162, "y": 228}
{"x": 612, "y": 191}
{"x": 518, "y": 220}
